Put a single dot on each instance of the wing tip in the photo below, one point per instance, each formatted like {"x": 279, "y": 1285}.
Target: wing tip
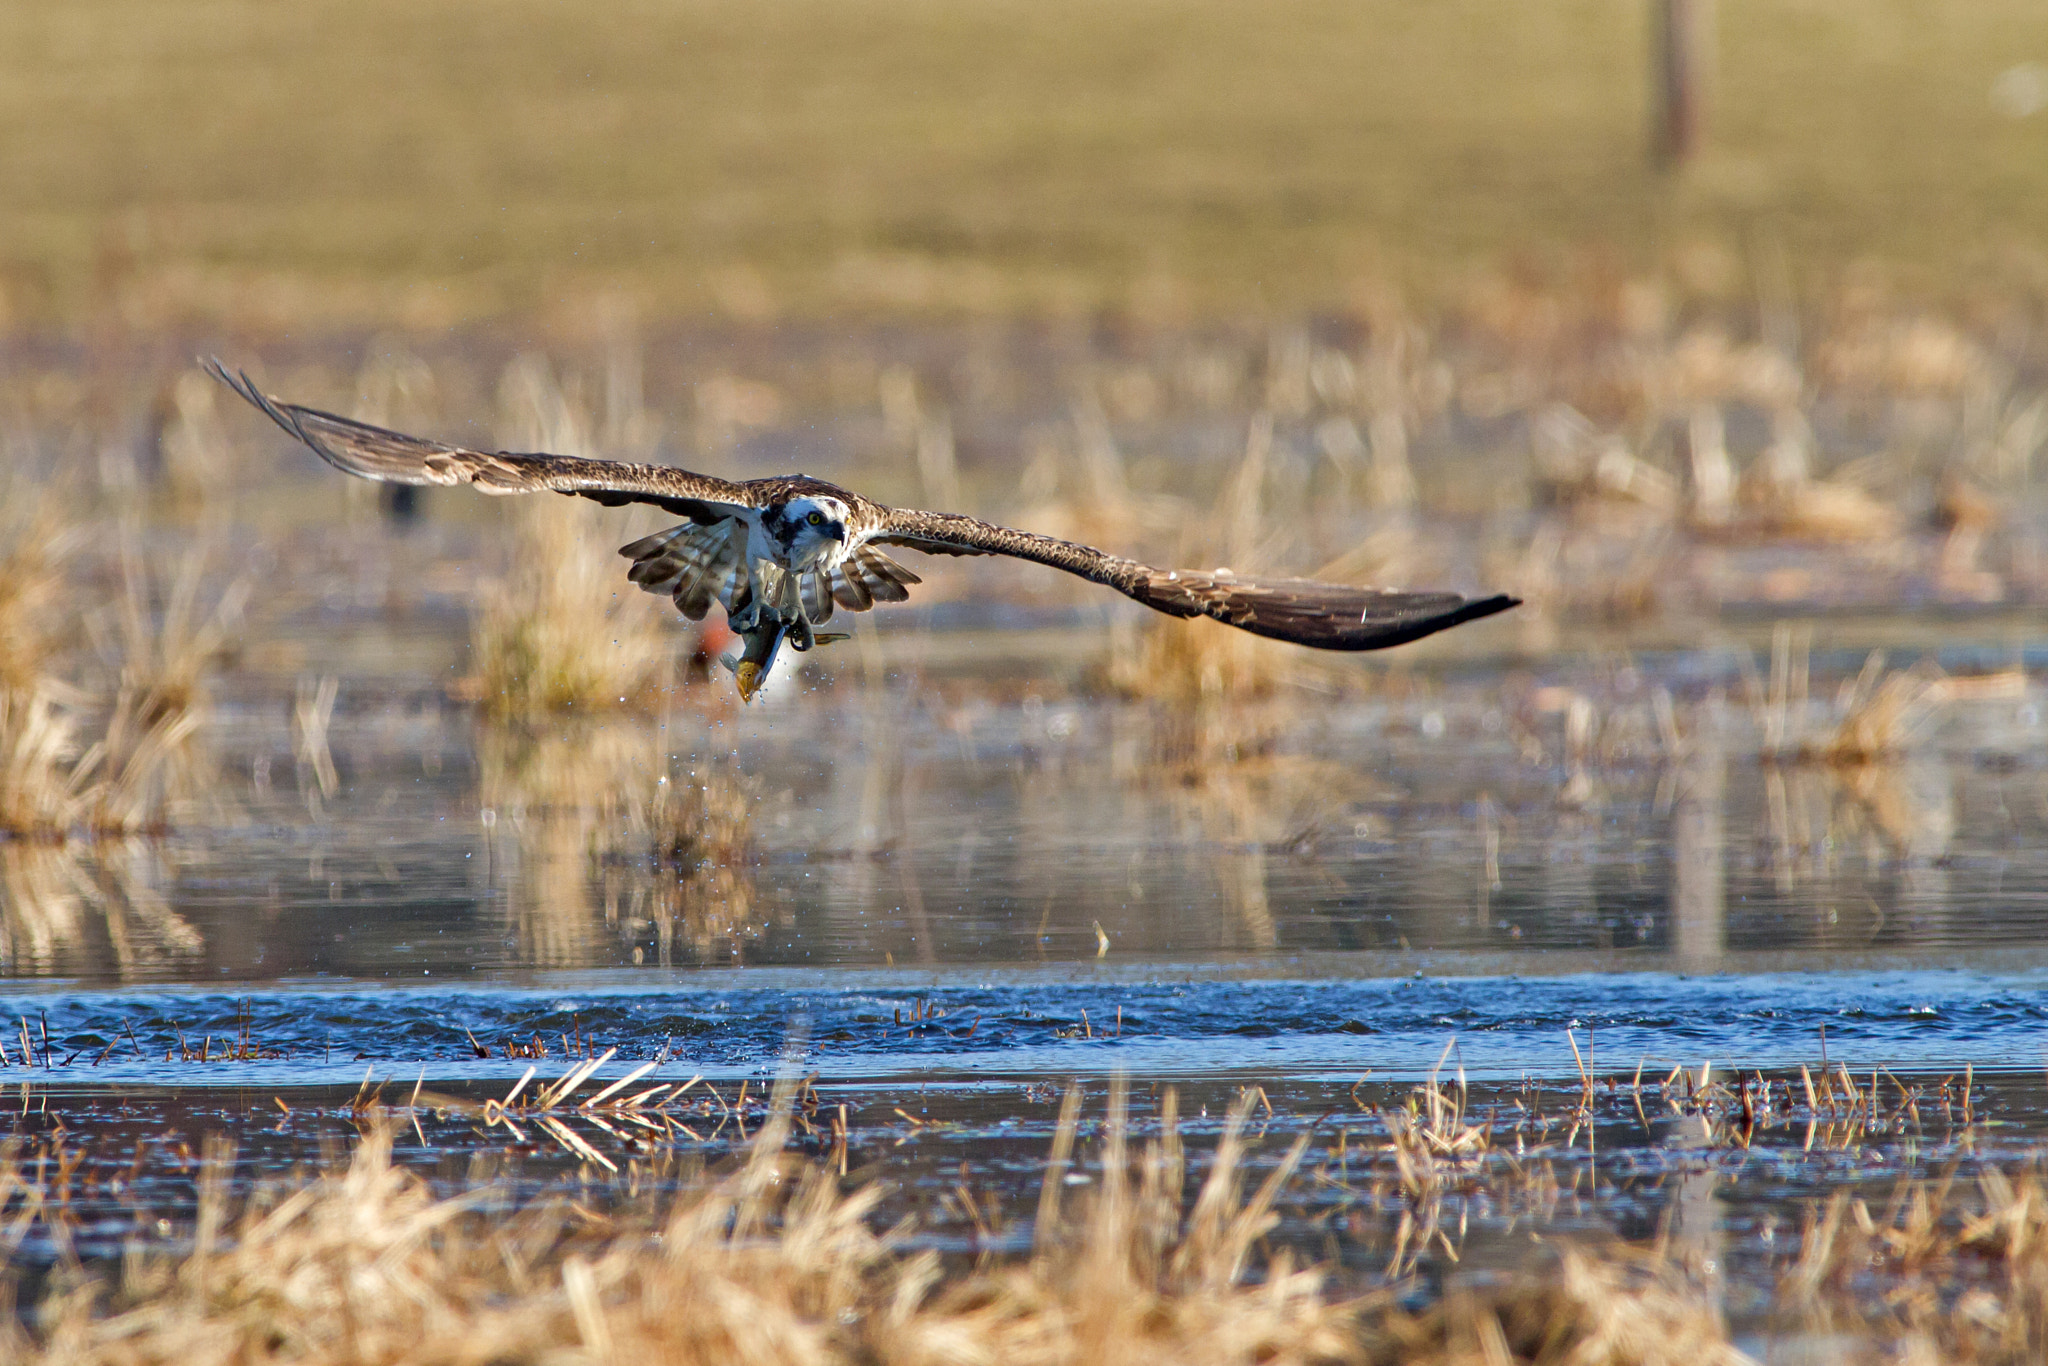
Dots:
{"x": 237, "y": 380}
{"x": 1475, "y": 608}
{"x": 245, "y": 388}
{"x": 1401, "y": 633}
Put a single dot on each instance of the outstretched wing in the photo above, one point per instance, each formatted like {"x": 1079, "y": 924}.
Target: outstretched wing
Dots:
{"x": 1327, "y": 616}
{"x": 394, "y": 457}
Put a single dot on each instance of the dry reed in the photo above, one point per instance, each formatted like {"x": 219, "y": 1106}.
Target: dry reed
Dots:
{"x": 55, "y": 786}
{"x": 35, "y": 544}
{"x": 1195, "y": 661}
{"x": 774, "y": 1262}
{"x": 544, "y": 639}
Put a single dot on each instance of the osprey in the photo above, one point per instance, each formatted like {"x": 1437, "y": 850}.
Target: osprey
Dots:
{"x": 780, "y": 554}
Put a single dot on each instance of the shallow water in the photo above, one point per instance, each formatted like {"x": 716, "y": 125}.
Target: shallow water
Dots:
{"x": 1519, "y": 821}
{"x": 1159, "y": 1021}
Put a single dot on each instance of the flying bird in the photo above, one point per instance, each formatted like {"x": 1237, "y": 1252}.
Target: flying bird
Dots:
{"x": 780, "y": 554}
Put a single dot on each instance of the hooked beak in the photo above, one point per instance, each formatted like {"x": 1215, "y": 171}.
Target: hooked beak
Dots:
{"x": 836, "y": 532}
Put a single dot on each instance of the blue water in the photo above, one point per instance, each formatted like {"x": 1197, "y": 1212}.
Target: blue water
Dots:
{"x": 1186, "y": 1022}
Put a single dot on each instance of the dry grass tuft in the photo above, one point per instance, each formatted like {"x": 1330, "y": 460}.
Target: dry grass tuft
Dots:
{"x": 168, "y": 645}
{"x": 40, "y": 777}
{"x": 1881, "y": 711}
{"x": 1195, "y": 661}
{"x": 54, "y": 786}
{"x": 1876, "y": 716}
{"x": 35, "y": 544}
{"x": 77, "y": 768}
{"x": 1950, "y": 1271}
{"x": 1612, "y": 1307}
{"x": 1839, "y": 778}
{"x": 541, "y": 643}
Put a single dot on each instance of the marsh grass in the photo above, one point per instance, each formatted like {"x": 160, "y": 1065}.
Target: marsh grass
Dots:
{"x": 650, "y": 1255}
{"x": 76, "y": 766}
{"x": 562, "y": 630}
{"x": 36, "y": 542}
{"x": 776, "y": 1257}
{"x": 772, "y": 1260}
{"x": 54, "y": 785}
{"x": 1199, "y": 668}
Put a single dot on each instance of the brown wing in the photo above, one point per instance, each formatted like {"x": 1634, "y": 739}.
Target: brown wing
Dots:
{"x": 393, "y": 457}
{"x": 1327, "y": 616}
{"x": 867, "y": 577}
{"x": 696, "y": 565}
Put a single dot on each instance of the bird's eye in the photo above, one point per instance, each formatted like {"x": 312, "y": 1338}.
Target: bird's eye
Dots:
{"x": 816, "y": 519}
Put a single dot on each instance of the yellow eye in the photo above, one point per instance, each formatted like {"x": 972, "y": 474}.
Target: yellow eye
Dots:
{"x": 816, "y": 519}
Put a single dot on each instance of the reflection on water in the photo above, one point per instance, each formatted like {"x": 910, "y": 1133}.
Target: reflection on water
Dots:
{"x": 867, "y": 824}
{"x": 106, "y": 911}
{"x": 589, "y": 826}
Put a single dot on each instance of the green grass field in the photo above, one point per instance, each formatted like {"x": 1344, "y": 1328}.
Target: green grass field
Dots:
{"x": 422, "y": 161}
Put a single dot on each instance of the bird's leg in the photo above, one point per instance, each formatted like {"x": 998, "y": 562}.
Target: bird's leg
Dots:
{"x": 803, "y": 636}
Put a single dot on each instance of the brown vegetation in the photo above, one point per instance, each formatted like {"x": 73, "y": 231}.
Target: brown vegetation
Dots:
{"x": 563, "y": 630}
{"x": 55, "y": 782}
{"x": 774, "y": 1263}
{"x": 776, "y": 1260}
{"x": 812, "y": 159}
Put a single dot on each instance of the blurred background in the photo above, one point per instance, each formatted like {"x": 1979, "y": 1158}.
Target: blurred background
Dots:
{"x": 318, "y": 167}
{"x": 1712, "y": 330}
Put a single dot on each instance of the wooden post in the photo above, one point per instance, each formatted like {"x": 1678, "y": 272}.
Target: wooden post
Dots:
{"x": 1682, "y": 31}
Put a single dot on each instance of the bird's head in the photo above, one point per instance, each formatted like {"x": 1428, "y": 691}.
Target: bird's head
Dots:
{"x": 810, "y": 527}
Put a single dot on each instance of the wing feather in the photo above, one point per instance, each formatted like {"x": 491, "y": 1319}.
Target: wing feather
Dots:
{"x": 851, "y": 591}
{"x": 817, "y": 597}
{"x": 393, "y": 457}
{"x": 867, "y": 576}
{"x": 1327, "y": 616}
{"x": 693, "y": 564}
